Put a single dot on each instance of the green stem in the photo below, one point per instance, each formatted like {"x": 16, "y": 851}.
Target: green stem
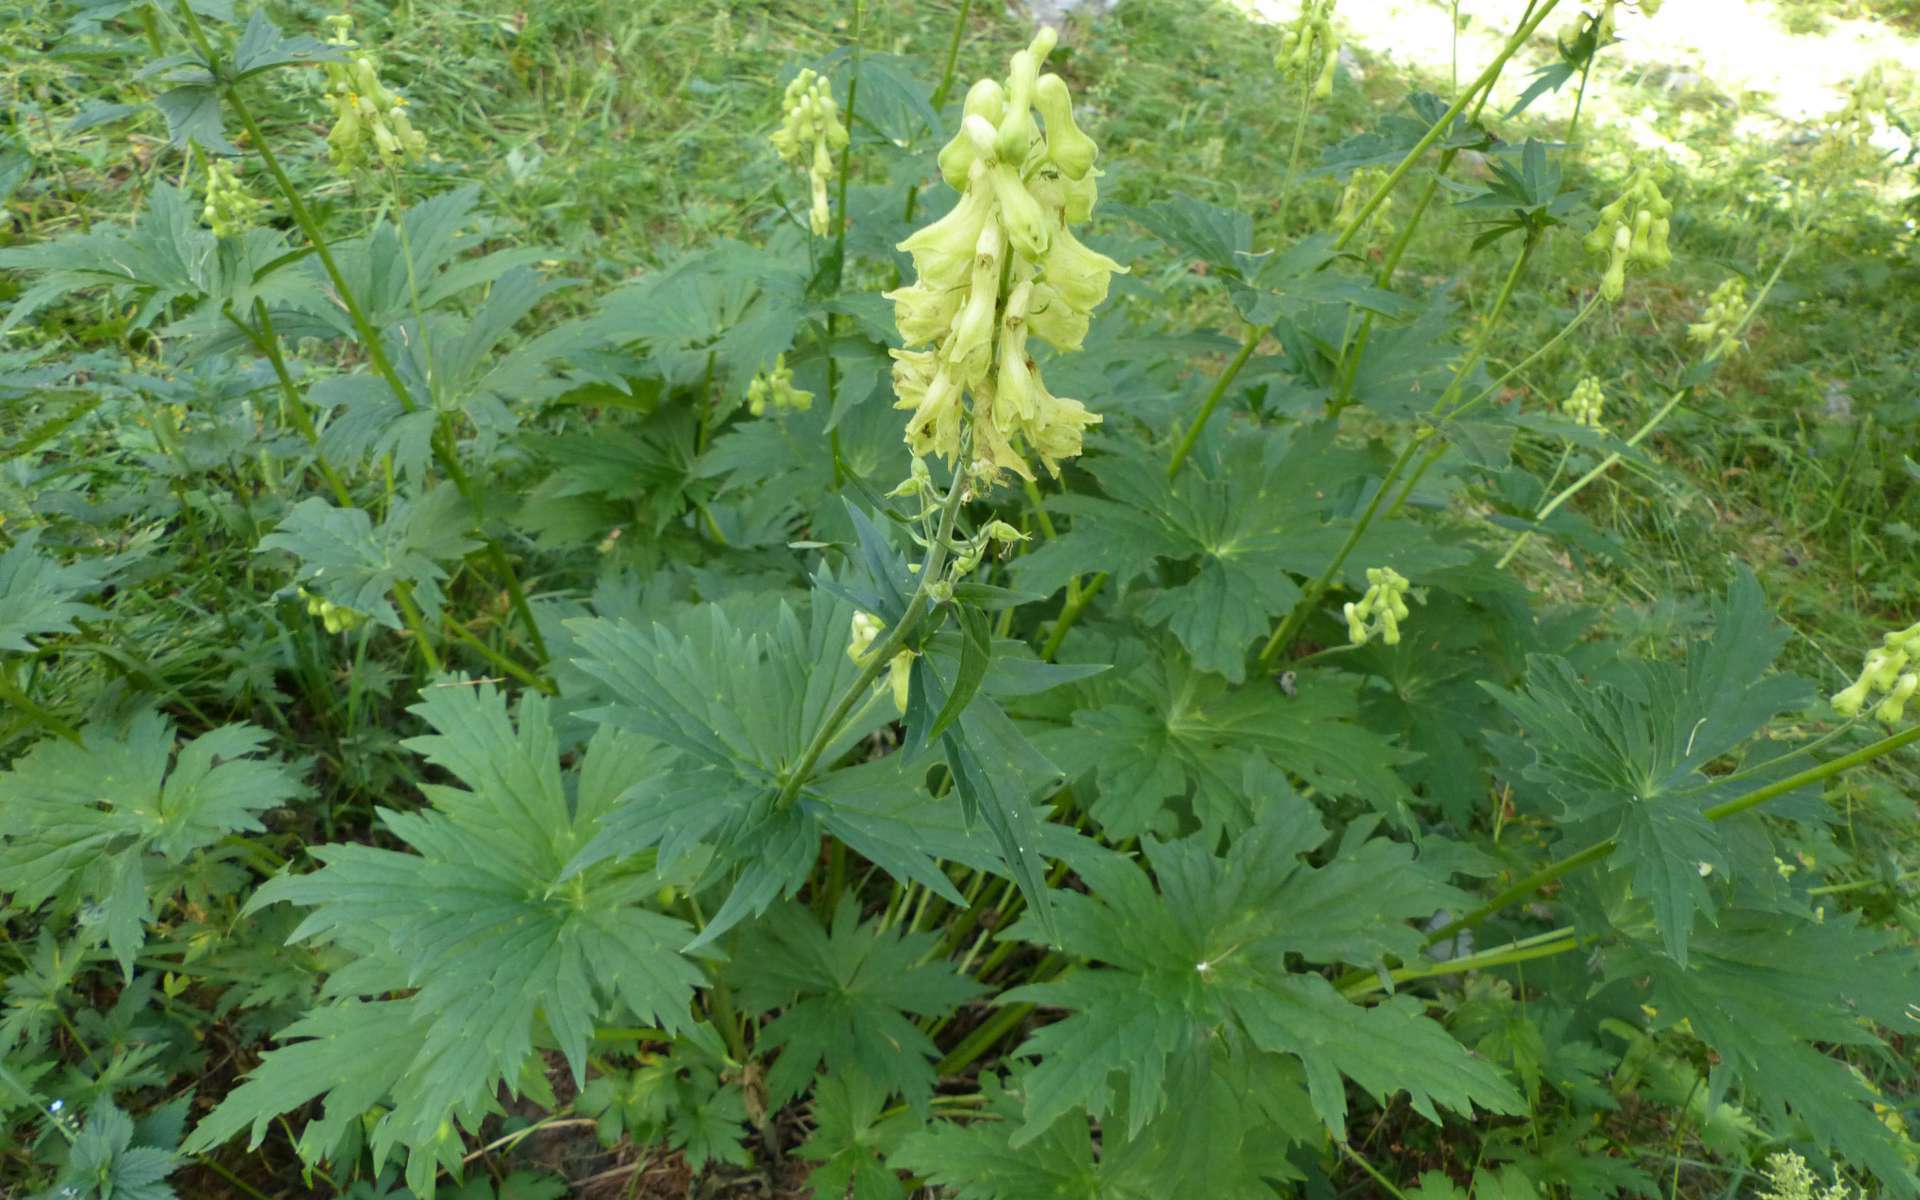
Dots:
{"x": 369, "y": 337}
{"x": 1254, "y": 337}
{"x": 16, "y": 697}
{"x": 1360, "y": 1161}
{"x": 1523, "y": 888}
{"x": 939, "y": 98}
{"x": 1293, "y": 155}
{"x": 267, "y": 341}
{"x": 1606, "y": 464}
{"x": 881, "y": 655}
{"x": 1070, "y": 611}
{"x": 410, "y": 613}
{"x": 498, "y": 659}
{"x": 1484, "y": 81}
{"x": 940, "y": 93}
{"x": 1540, "y": 945}
{"x": 1289, "y": 628}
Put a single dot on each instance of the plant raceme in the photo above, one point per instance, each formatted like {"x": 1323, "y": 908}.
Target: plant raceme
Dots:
{"x": 811, "y": 133}
{"x": 436, "y": 722}
{"x": 1002, "y": 267}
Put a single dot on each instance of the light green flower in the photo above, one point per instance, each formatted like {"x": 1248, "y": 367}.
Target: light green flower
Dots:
{"x": 1381, "y": 610}
{"x": 1889, "y": 673}
{"x": 809, "y": 133}
{"x": 1000, "y": 268}
{"x": 1586, "y": 404}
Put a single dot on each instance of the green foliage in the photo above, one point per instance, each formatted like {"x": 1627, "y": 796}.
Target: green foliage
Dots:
{"x": 94, "y": 826}
{"x": 447, "y": 735}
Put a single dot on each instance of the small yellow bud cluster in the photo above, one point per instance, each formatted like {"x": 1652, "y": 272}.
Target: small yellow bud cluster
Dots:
{"x": 775, "y": 388}
{"x": 230, "y": 209}
{"x": 1726, "y": 308}
{"x": 866, "y": 629}
{"x": 1631, "y": 231}
{"x": 335, "y": 618}
{"x": 812, "y": 131}
{"x": 364, "y": 106}
{"x": 1309, "y": 46}
{"x": 1381, "y": 610}
{"x": 1586, "y": 404}
{"x": 1002, "y": 265}
{"x": 1889, "y": 672}
{"x": 1789, "y": 1178}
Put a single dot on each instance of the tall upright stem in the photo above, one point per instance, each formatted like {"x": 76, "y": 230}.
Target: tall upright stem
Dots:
{"x": 796, "y": 776}
{"x": 443, "y": 451}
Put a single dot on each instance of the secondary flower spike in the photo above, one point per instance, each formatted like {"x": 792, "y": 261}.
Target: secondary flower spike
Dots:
{"x": 1889, "y": 673}
{"x": 1631, "y": 231}
{"x": 1000, "y": 268}
{"x": 1586, "y": 403}
{"x": 810, "y": 133}
{"x": 364, "y": 108}
{"x": 1309, "y": 45}
{"x": 1381, "y": 610}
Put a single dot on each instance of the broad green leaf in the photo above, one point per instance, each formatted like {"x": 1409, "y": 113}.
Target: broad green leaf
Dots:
{"x": 482, "y": 920}
{"x": 1207, "y": 956}
{"x": 40, "y": 596}
{"x": 79, "y": 823}
{"x": 851, "y": 1139}
{"x": 346, "y": 559}
{"x": 1171, "y": 747}
{"x": 1625, "y": 757}
{"x": 847, "y": 995}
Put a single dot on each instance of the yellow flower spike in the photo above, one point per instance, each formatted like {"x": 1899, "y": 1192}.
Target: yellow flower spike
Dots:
{"x": 1070, "y": 149}
{"x": 1586, "y": 404}
{"x": 809, "y": 133}
{"x": 1380, "y": 610}
{"x": 1000, "y": 267}
{"x": 1886, "y": 672}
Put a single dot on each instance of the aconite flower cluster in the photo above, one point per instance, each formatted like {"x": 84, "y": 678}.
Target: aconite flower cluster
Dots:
{"x": 1380, "y": 611}
{"x": 1632, "y": 231}
{"x": 1002, "y": 267}
{"x": 774, "y": 389}
{"x": 1717, "y": 327}
{"x": 1309, "y": 45}
{"x": 229, "y": 208}
{"x": 810, "y": 133}
{"x": 363, "y": 107}
{"x": 1891, "y": 672}
{"x": 1586, "y": 404}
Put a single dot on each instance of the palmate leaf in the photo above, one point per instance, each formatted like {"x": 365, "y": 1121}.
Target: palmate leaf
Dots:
{"x": 1243, "y": 518}
{"x": 105, "y": 1164}
{"x": 1624, "y": 757}
{"x": 1170, "y": 746}
{"x": 39, "y": 596}
{"x": 847, "y": 994}
{"x": 484, "y": 920}
{"x": 1226, "y": 1141}
{"x": 1769, "y": 992}
{"x": 79, "y": 823}
{"x": 1206, "y": 957}
{"x": 683, "y": 688}
{"x": 348, "y": 560}
{"x": 850, "y": 1139}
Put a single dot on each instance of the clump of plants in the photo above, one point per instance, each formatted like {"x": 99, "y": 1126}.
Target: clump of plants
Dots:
{"x": 751, "y": 719}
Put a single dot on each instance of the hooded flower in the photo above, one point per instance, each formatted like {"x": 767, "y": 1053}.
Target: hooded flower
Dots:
{"x": 1631, "y": 231}
{"x": 998, "y": 270}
